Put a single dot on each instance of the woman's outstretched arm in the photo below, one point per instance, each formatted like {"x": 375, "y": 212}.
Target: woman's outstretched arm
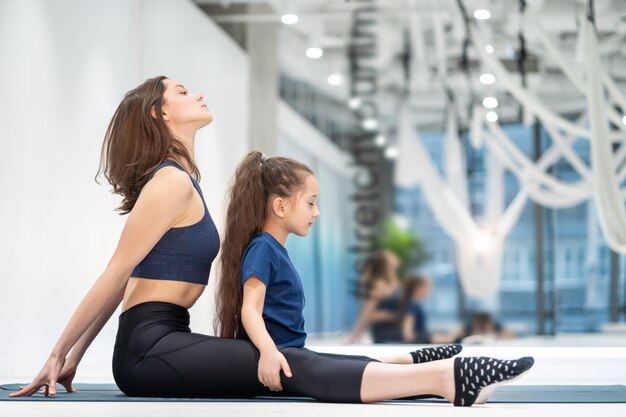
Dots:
{"x": 370, "y": 313}
{"x": 162, "y": 203}
{"x": 80, "y": 347}
{"x": 365, "y": 318}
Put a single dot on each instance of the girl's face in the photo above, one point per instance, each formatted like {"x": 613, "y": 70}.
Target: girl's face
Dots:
{"x": 422, "y": 291}
{"x": 182, "y": 109}
{"x": 302, "y": 208}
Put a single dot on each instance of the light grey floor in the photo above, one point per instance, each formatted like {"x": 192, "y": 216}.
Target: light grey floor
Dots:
{"x": 565, "y": 360}
{"x": 306, "y": 410}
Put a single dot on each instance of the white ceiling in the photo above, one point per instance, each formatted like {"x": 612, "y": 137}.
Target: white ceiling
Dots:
{"x": 333, "y": 19}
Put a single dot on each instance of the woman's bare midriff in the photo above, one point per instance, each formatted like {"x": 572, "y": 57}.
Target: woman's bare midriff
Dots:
{"x": 140, "y": 290}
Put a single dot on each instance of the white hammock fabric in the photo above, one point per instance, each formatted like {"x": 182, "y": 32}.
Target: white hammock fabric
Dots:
{"x": 607, "y": 194}
{"x": 602, "y": 182}
{"x": 479, "y": 248}
{"x": 568, "y": 68}
{"x": 572, "y": 72}
{"x": 482, "y": 259}
{"x": 531, "y": 176}
{"x": 558, "y": 194}
{"x": 415, "y": 167}
{"x": 528, "y": 99}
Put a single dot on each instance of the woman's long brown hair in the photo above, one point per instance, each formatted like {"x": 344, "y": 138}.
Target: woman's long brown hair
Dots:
{"x": 255, "y": 184}
{"x": 136, "y": 142}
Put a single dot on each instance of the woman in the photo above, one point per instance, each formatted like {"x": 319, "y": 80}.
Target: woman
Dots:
{"x": 161, "y": 266}
{"x": 380, "y": 287}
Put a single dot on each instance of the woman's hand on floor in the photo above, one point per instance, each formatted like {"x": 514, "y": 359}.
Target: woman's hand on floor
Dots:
{"x": 52, "y": 371}
{"x": 67, "y": 375}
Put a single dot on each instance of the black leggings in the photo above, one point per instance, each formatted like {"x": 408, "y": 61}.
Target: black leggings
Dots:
{"x": 157, "y": 355}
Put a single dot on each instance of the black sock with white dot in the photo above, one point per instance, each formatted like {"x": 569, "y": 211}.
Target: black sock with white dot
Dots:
{"x": 476, "y": 373}
{"x": 435, "y": 353}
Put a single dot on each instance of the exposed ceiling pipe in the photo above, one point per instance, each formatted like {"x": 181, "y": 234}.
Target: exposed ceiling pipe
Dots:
{"x": 440, "y": 47}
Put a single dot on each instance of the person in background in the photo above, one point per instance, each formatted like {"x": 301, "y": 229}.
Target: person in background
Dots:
{"x": 482, "y": 328}
{"x": 413, "y": 318}
{"x": 380, "y": 286}
{"x": 412, "y": 314}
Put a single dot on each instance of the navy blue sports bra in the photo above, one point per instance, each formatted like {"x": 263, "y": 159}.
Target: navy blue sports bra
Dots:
{"x": 391, "y": 303}
{"x": 183, "y": 253}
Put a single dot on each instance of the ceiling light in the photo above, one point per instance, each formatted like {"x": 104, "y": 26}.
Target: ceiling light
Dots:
{"x": 370, "y": 124}
{"x": 391, "y": 152}
{"x": 489, "y": 49}
{"x": 482, "y": 14}
{"x": 314, "y": 52}
{"x": 380, "y": 140}
{"x": 354, "y": 102}
{"x": 490, "y": 102}
{"x": 289, "y": 19}
{"x": 487, "y": 78}
{"x": 624, "y": 120}
{"x": 491, "y": 116}
{"x": 334, "y": 79}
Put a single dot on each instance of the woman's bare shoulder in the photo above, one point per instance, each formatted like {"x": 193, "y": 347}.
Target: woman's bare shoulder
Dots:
{"x": 168, "y": 181}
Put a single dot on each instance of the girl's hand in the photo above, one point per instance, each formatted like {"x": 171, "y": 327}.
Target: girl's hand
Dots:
{"x": 52, "y": 371}
{"x": 271, "y": 363}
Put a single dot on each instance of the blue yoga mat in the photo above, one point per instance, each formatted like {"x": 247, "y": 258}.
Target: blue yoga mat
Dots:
{"x": 503, "y": 394}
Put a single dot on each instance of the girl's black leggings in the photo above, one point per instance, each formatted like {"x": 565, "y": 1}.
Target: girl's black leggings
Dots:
{"x": 157, "y": 355}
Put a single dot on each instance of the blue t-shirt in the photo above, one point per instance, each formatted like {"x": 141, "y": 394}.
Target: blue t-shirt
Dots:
{"x": 419, "y": 316}
{"x": 268, "y": 259}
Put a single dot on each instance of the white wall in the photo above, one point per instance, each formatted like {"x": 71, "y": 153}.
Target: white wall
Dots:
{"x": 64, "y": 67}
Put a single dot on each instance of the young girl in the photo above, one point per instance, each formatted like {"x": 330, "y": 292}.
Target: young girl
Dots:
{"x": 260, "y": 298}
{"x": 414, "y": 324}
